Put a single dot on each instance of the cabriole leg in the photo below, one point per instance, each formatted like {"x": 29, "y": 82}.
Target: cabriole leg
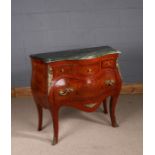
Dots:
{"x": 113, "y": 102}
{"x": 40, "y": 115}
{"x": 105, "y": 106}
{"x": 55, "y": 113}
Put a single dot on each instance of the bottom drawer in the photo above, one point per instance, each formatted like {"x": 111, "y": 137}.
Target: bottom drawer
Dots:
{"x": 76, "y": 90}
{"x": 70, "y": 89}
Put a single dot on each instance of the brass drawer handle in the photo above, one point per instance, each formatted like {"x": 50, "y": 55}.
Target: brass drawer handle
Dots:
{"x": 110, "y": 82}
{"x": 65, "y": 91}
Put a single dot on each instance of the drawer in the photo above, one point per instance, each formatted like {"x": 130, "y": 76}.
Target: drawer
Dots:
{"x": 73, "y": 90}
{"x": 76, "y": 90}
{"x": 81, "y": 69}
{"x": 90, "y": 69}
{"x": 62, "y": 69}
{"x": 108, "y": 63}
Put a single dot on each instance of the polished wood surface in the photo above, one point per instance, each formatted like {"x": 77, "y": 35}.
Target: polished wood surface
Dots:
{"x": 81, "y": 84}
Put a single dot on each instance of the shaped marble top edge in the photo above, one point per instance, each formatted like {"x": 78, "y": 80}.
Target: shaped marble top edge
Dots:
{"x": 75, "y": 54}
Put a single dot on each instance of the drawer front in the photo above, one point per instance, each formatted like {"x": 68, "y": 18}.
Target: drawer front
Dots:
{"x": 78, "y": 69}
{"x": 89, "y": 69}
{"x": 76, "y": 90}
{"x": 62, "y": 70}
{"x": 108, "y": 63}
{"x": 67, "y": 89}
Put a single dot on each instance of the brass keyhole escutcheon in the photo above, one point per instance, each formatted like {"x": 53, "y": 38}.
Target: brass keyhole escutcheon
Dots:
{"x": 108, "y": 63}
{"x": 62, "y": 70}
{"x": 89, "y": 70}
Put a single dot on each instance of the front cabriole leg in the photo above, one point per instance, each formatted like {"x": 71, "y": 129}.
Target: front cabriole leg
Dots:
{"x": 55, "y": 114}
{"x": 113, "y": 102}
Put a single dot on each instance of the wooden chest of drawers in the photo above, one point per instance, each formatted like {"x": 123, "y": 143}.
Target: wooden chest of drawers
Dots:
{"x": 82, "y": 79}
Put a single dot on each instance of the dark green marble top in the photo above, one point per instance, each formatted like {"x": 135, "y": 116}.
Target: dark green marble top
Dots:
{"x": 75, "y": 54}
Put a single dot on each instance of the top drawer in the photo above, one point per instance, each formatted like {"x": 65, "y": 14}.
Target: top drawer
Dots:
{"x": 88, "y": 69}
{"x": 62, "y": 69}
{"x": 77, "y": 68}
{"x": 108, "y": 63}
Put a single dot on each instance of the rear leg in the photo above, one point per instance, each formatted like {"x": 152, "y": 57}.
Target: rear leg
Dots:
{"x": 105, "y": 106}
{"x": 40, "y": 115}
